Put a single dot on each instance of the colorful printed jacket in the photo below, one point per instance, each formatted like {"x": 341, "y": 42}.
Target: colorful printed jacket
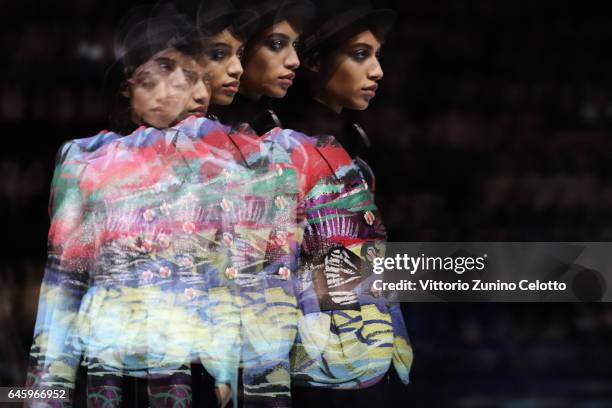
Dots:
{"x": 167, "y": 247}
{"x": 112, "y": 261}
{"x": 269, "y": 312}
{"x": 347, "y": 334}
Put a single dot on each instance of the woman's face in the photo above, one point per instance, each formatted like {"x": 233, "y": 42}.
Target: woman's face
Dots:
{"x": 223, "y": 68}
{"x": 161, "y": 89}
{"x": 271, "y": 60}
{"x": 199, "y": 101}
{"x": 349, "y": 76}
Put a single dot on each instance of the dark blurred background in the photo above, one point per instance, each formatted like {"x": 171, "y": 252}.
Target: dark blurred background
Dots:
{"x": 492, "y": 123}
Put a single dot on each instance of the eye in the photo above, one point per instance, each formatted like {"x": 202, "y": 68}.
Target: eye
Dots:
{"x": 146, "y": 82}
{"x": 166, "y": 66}
{"x": 240, "y": 53}
{"x": 276, "y": 44}
{"x": 217, "y": 54}
{"x": 360, "y": 55}
{"x": 191, "y": 77}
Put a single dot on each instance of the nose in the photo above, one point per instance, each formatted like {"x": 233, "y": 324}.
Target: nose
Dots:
{"x": 200, "y": 93}
{"x": 162, "y": 90}
{"x": 176, "y": 84}
{"x": 235, "y": 69}
{"x": 292, "y": 61}
{"x": 375, "y": 73}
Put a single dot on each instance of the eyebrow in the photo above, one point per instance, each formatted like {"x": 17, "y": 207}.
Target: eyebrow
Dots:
{"x": 190, "y": 72}
{"x": 364, "y": 45}
{"x": 219, "y": 44}
{"x": 281, "y": 35}
{"x": 164, "y": 59}
{"x": 142, "y": 72}
{"x": 167, "y": 60}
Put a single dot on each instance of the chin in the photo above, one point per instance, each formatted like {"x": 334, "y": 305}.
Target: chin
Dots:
{"x": 223, "y": 101}
{"x": 161, "y": 123}
{"x": 360, "y": 106}
{"x": 158, "y": 125}
{"x": 277, "y": 93}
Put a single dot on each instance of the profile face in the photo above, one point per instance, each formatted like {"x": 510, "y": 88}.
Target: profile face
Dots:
{"x": 200, "y": 95}
{"x": 160, "y": 90}
{"x": 270, "y": 62}
{"x": 350, "y": 76}
{"x": 222, "y": 66}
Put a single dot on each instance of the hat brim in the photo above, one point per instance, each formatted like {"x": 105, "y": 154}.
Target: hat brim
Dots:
{"x": 270, "y": 13}
{"x": 383, "y": 18}
{"x": 302, "y": 9}
{"x": 241, "y": 20}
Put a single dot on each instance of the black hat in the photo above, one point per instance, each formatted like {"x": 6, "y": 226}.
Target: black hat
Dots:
{"x": 215, "y": 15}
{"x": 273, "y": 11}
{"x": 145, "y": 31}
{"x": 142, "y": 33}
{"x": 335, "y": 20}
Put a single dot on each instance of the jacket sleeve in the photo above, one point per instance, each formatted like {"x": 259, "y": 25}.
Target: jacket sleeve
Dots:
{"x": 54, "y": 355}
{"x": 402, "y": 348}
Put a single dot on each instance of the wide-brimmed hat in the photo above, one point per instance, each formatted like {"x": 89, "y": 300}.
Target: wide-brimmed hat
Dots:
{"x": 213, "y": 16}
{"x": 273, "y": 11}
{"x": 336, "y": 20}
{"x": 142, "y": 33}
{"x": 145, "y": 31}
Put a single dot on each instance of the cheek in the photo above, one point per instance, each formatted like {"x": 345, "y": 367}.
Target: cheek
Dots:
{"x": 257, "y": 71}
{"x": 270, "y": 81}
{"x": 340, "y": 83}
{"x": 183, "y": 100}
{"x": 349, "y": 84}
{"x": 139, "y": 101}
{"x": 212, "y": 72}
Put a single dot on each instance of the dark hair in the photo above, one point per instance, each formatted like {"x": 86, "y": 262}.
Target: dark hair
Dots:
{"x": 119, "y": 117}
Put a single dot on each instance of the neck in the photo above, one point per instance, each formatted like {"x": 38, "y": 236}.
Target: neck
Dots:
{"x": 333, "y": 106}
{"x": 253, "y": 96}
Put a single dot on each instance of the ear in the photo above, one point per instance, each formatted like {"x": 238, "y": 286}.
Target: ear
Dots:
{"x": 313, "y": 62}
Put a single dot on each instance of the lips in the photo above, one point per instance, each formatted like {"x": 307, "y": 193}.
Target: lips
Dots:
{"x": 198, "y": 112}
{"x": 370, "y": 91}
{"x": 290, "y": 76}
{"x": 162, "y": 113}
{"x": 287, "y": 80}
{"x": 232, "y": 86}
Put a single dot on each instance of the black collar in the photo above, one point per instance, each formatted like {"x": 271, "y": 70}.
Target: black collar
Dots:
{"x": 315, "y": 119}
{"x": 258, "y": 114}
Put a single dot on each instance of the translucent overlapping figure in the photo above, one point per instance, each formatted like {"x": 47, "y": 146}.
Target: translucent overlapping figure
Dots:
{"x": 167, "y": 246}
{"x": 190, "y": 241}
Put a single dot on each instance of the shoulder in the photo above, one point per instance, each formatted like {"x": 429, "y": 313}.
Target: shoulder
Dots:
{"x": 195, "y": 126}
{"x": 77, "y": 148}
{"x": 314, "y": 148}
